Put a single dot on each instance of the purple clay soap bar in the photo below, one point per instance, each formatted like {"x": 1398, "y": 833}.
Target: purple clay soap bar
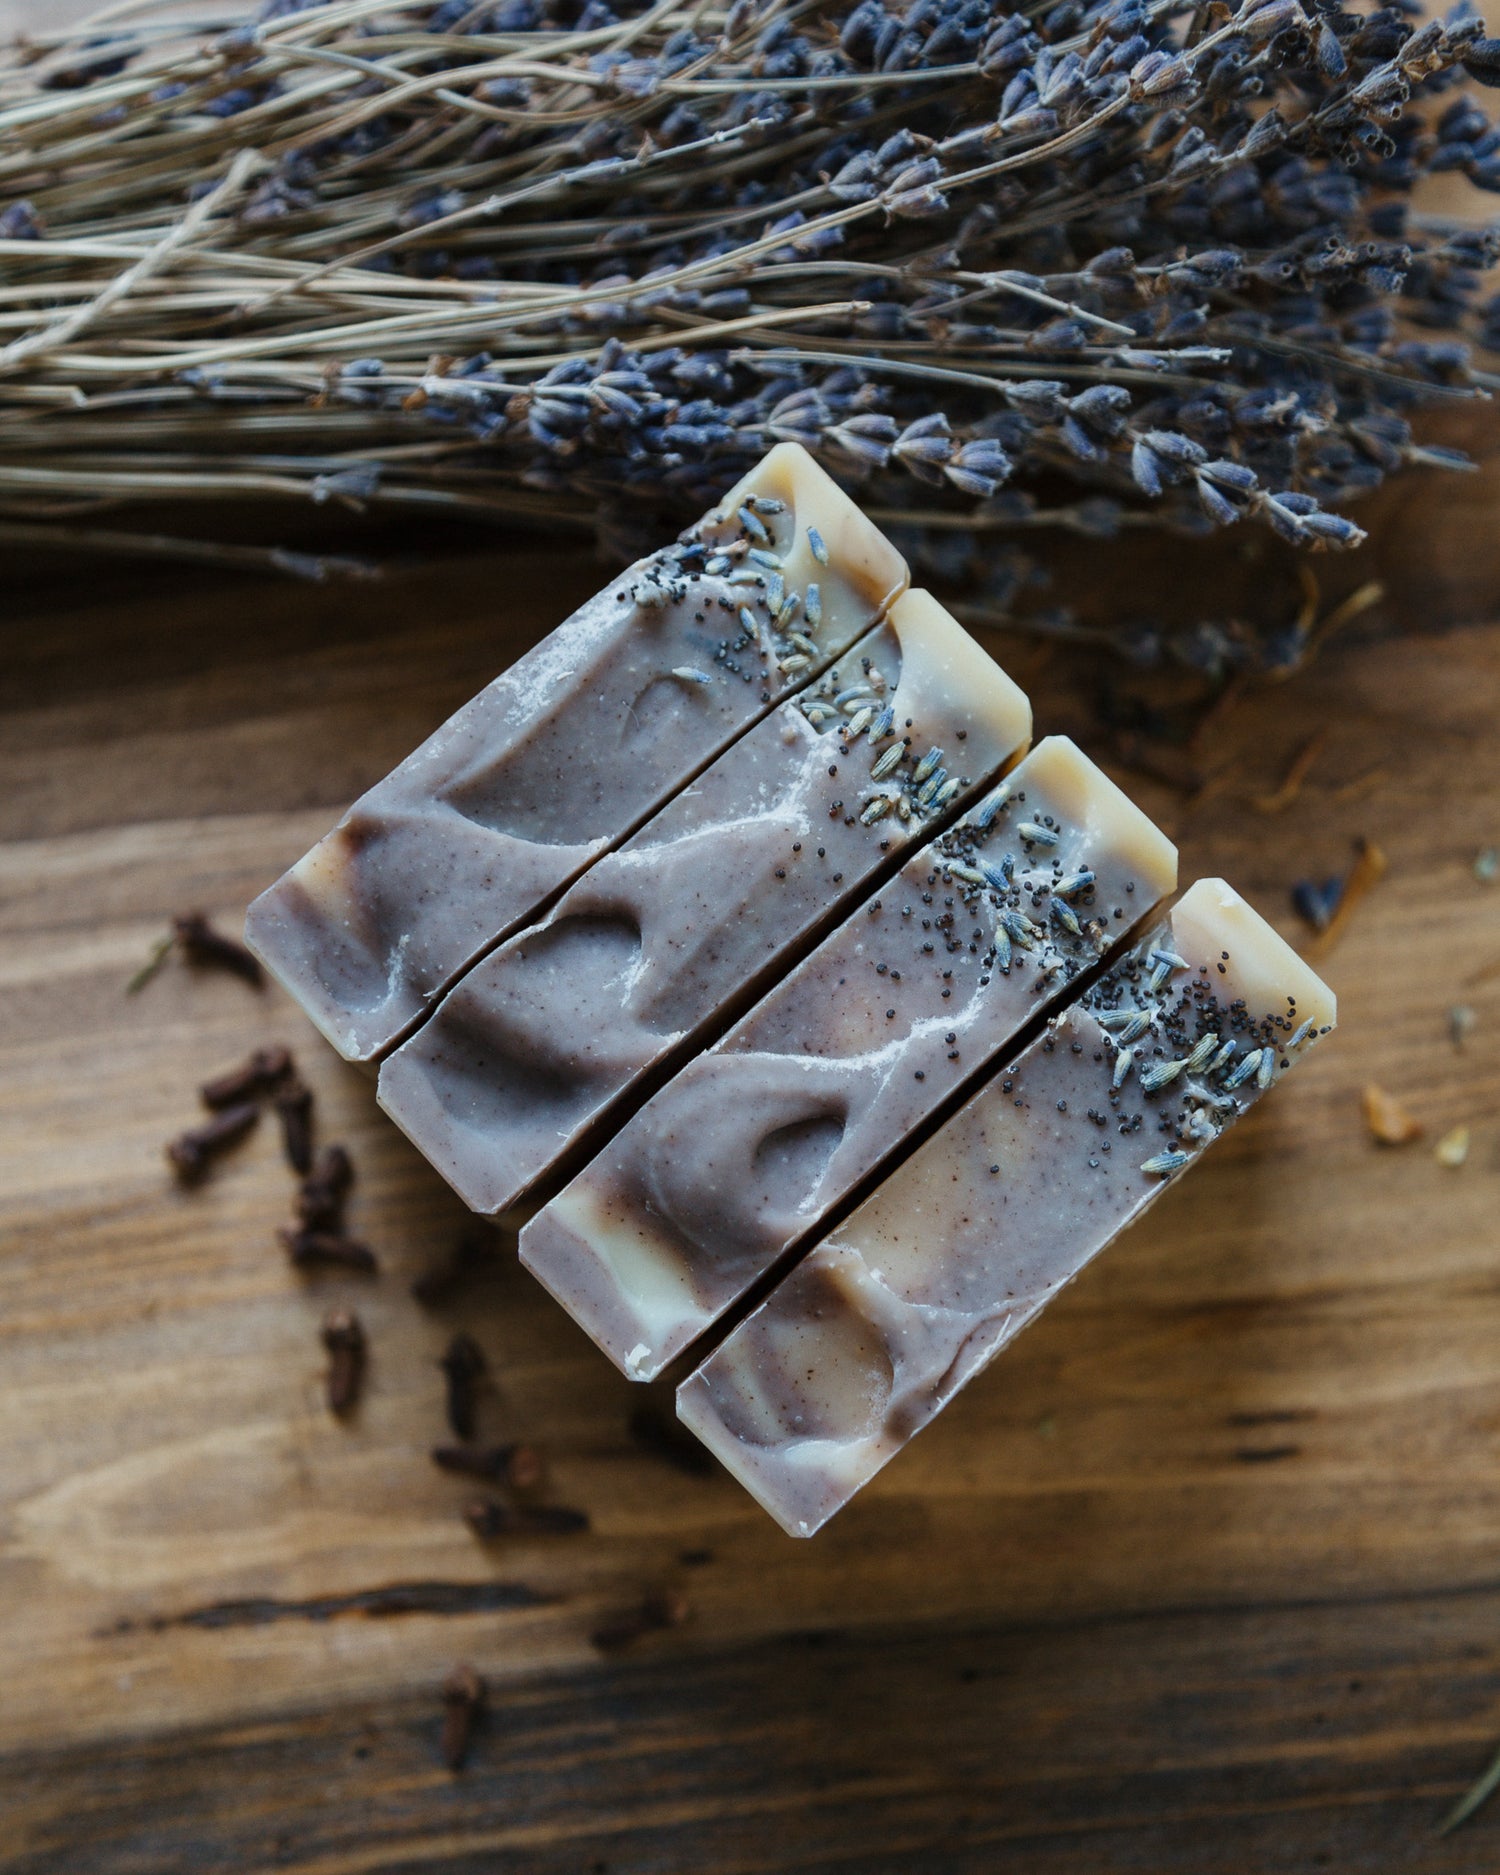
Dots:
{"x": 570, "y": 748}
{"x": 953, "y": 1254}
{"x": 751, "y": 1144}
{"x": 660, "y": 939}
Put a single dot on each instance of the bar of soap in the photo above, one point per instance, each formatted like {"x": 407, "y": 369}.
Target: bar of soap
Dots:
{"x": 648, "y": 949}
{"x": 568, "y": 750}
{"x": 751, "y": 1144}
{"x": 950, "y": 1257}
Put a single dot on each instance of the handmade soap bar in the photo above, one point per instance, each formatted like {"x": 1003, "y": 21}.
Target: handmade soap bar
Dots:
{"x": 571, "y": 748}
{"x": 949, "y": 1258}
{"x": 646, "y": 950}
{"x": 752, "y": 1143}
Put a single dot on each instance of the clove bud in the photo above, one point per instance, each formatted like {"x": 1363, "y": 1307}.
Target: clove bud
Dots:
{"x": 192, "y": 1153}
{"x": 344, "y": 1339}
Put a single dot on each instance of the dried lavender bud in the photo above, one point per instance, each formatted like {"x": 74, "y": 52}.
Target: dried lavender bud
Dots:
{"x": 254, "y": 1076}
{"x": 192, "y": 1153}
{"x": 464, "y": 1368}
{"x": 344, "y": 1339}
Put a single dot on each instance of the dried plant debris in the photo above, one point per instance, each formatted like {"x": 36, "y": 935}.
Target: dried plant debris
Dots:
{"x": 1292, "y": 782}
{"x": 489, "y": 1519}
{"x": 464, "y": 1695}
{"x": 254, "y": 1077}
{"x": 192, "y": 1153}
{"x": 197, "y": 942}
{"x": 1453, "y": 1148}
{"x": 1316, "y": 900}
{"x": 1388, "y": 1120}
{"x": 294, "y": 1109}
{"x": 1478, "y": 1794}
{"x": 1096, "y": 266}
{"x": 314, "y": 1250}
{"x": 1368, "y": 870}
{"x": 664, "y": 1608}
{"x": 521, "y": 1467}
{"x": 464, "y": 1370}
{"x": 1462, "y": 1022}
{"x": 344, "y": 1338}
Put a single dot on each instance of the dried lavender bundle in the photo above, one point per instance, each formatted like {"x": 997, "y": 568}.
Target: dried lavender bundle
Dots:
{"x": 1098, "y": 263}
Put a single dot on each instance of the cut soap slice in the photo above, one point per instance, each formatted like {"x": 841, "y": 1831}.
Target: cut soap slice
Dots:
{"x": 662, "y": 938}
{"x": 751, "y": 1144}
{"x": 570, "y": 748}
{"x": 876, "y": 1330}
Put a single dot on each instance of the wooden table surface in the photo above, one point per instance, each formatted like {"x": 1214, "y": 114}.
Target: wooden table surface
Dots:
{"x": 1203, "y": 1576}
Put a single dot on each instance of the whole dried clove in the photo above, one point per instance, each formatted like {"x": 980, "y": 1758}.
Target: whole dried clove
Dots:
{"x": 463, "y": 1703}
{"x": 668, "y": 1439}
{"x": 344, "y": 1339}
{"x": 665, "y": 1608}
{"x": 464, "y": 1366}
{"x": 521, "y": 1467}
{"x": 315, "y": 1249}
{"x": 294, "y": 1104}
{"x": 254, "y": 1076}
{"x": 192, "y": 1153}
{"x": 489, "y": 1519}
{"x": 201, "y": 944}
{"x": 320, "y": 1202}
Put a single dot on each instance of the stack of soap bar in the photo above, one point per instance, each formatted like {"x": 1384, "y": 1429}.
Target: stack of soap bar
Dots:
{"x": 751, "y": 1144}
{"x": 697, "y": 910}
{"x": 949, "y": 1258}
{"x": 571, "y": 748}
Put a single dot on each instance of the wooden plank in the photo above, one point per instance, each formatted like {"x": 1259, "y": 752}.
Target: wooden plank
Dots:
{"x": 1283, "y": 1392}
{"x": 1255, "y": 1739}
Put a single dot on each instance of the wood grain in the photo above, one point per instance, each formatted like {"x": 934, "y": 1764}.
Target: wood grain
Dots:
{"x": 1108, "y": 1613}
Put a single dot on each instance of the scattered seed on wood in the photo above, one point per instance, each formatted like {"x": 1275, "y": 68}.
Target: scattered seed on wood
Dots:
{"x": 522, "y": 1467}
{"x": 344, "y": 1339}
{"x": 1461, "y": 1023}
{"x": 1316, "y": 900}
{"x": 1298, "y": 769}
{"x": 668, "y": 1439}
{"x": 316, "y": 1249}
{"x": 464, "y": 1368}
{"x": 294, "y": 1106}
{"x": 463, "y": 1703}
{"x": 1368, "y": 870}
{"x": 489, "y": 1519}
{"x": 1453, "y": 1148}
{"x": 1478, "y": 1794}
{"x": 192, "y": 1153}
{"x": 1388, "y": 1121}
{"x": 1487, "y": 866}
{"x": 256, "y": 1075}
{"x": 201, "y": 944}
{"x": 667, "y": 1608}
